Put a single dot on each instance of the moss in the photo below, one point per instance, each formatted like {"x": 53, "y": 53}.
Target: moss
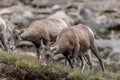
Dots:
{"x": 20, "y": 61}
{"x": 2, "y": 58}
{"x": 52, "y": 69}
{"x": 95, "y": 78}
{"x": 118, "y": 77}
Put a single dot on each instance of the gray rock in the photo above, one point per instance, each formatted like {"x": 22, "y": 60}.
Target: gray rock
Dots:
{"x": 26, "y": 1}
{"x": 42, "y": 11}
{"x": 103, "y": 21}
{"x": 103, "y": 43}
{"x": 99, "y": 19}
{"x": 5, "y": 11}
{"x": 102, "y": 5}
{"x": 61, "y": 2}
{"x": 28, "y": 14}
{"x": 56, "y": 7}
{"x": 114, "y": 54}
{"x": 20, "y": 52}
{"x": 6, "y": 3}
{"x": 41, "y": 3}
{"x": 18, "y": 9}
{"x": 41, "y": 16}
{"x": 88, "y": 18}
{"x": 19, "y": 20}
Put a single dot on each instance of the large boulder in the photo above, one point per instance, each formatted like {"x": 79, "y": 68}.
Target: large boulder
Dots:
{"x": 114, "y": 54}
{"x": 19, "y": 20}
{"x": 5, "y": 11}
{"x": 88, "y": 18}
{"x": 21, "y": 15}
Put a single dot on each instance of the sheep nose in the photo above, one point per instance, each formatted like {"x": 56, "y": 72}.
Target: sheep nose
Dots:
{"x": 12, "y": 48}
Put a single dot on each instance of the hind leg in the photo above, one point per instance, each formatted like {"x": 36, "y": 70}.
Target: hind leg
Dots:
{"x": 83, "y": 62}
{"x": 68, "y": 59}
{"x": 75, "y": 55}
{"x": 88, "y": 58}
{"x": 96, "y": 53}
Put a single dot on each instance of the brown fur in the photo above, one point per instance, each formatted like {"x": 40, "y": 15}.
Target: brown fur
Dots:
{"x": 76, "y": 40}
{"x": 45, "y": 30}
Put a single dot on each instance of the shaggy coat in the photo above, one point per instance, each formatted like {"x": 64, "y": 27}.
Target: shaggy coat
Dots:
{"x": 45, "y": 30}
{"x": 76, "y": 41}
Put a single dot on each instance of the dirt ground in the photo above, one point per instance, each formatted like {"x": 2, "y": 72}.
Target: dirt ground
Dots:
{"x": 24, "y": 73}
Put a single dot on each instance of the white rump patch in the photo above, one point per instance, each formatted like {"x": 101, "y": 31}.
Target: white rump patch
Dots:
{"x": 3, "y": 22}
{"x": 91, "y": 31}
{"x": 63, "y": 23}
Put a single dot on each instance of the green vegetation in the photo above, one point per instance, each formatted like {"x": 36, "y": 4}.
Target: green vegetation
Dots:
{"x": 20, "y": 61}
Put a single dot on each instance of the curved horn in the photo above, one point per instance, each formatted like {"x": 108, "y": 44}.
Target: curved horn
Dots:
{"x": 3, "y": 22}
{"x": 53, "y": 49}
{"x": 42, "y": 45}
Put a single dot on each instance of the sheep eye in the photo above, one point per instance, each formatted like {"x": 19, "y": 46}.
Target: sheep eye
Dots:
{"x": 16, "y": 37}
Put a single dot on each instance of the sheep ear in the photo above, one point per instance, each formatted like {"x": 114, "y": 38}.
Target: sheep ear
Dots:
{"x": 19, "y": 31}
{"x": 42, "y": 45}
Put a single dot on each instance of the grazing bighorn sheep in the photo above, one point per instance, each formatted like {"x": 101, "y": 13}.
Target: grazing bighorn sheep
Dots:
{"x": 75, "y": 41}
{"x": 46, "y": 29}
{"x": 2, "y": 33}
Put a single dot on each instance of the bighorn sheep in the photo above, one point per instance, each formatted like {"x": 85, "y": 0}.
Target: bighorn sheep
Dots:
{"x": 75, "y": 41}
{"x": 2, "y": 33}
{"x": 46, "y": 29}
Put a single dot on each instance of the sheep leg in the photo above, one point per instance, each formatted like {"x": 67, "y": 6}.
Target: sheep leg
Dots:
{"x": 96, "y": 53}
{"x": 83, "y": 62}
{"x": 66, "y": 62}
{"x": 3, "y": 42}
{"x": 75, "y": 55}
{"x": 89, "y": 60}
{"x": 38, "y": 51}
{"x": 68, "y": 59}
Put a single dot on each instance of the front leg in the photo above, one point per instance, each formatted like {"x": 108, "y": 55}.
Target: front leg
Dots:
{"x": 75, "y": 55}
{"x": 37, "y": 47}
{"x": 88, "y": 57}
{"x": 68, "y": 59}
